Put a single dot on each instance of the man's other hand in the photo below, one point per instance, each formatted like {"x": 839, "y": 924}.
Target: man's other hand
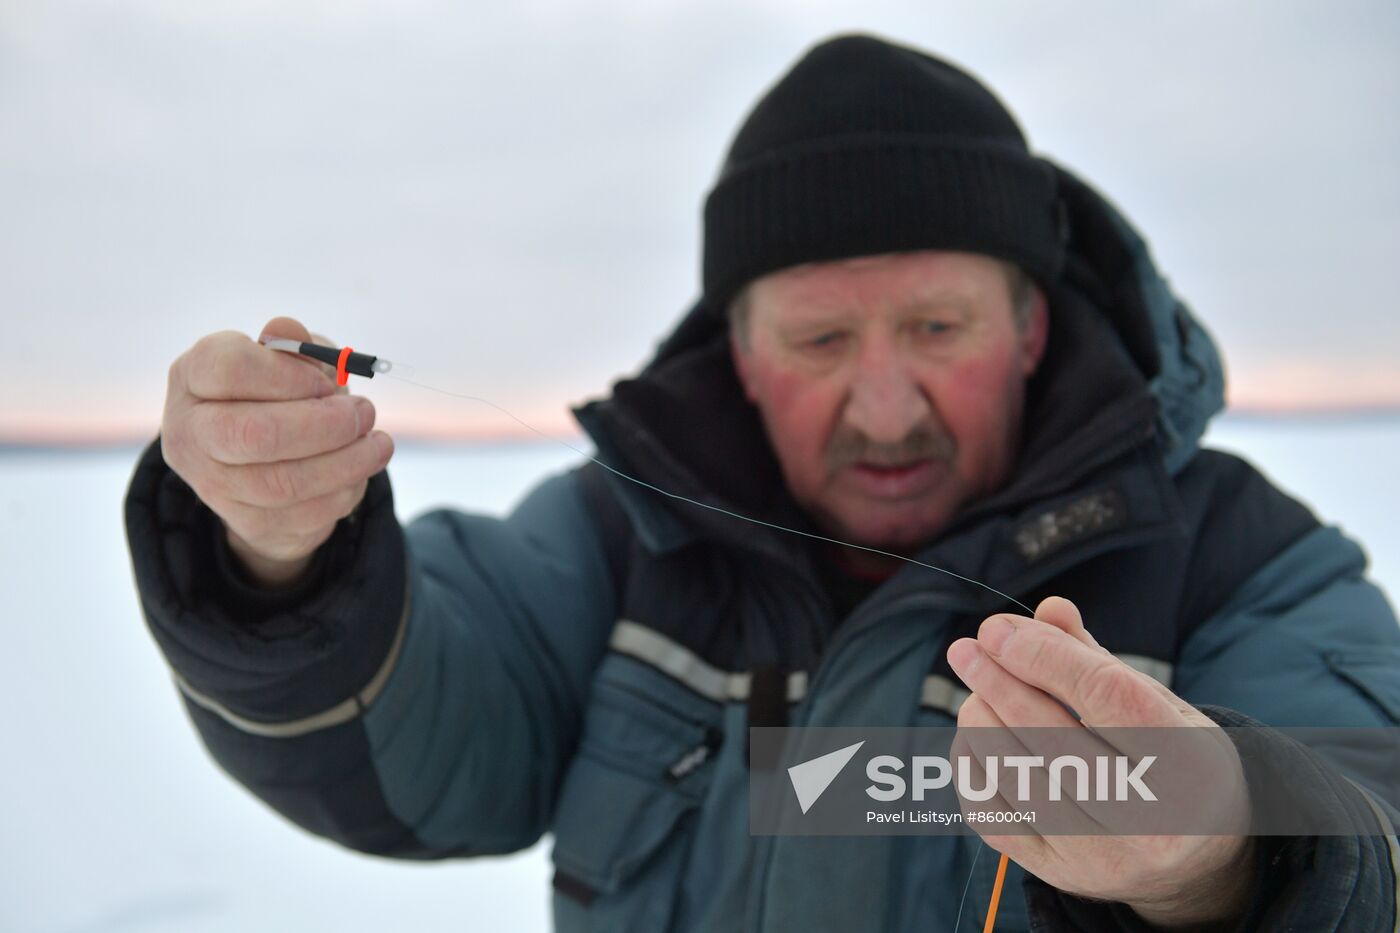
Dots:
{"x": 1026, "y": 672}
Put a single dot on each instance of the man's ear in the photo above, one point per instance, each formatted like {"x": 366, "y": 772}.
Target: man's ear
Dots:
{"x": 1035, "y": 333}
{"x": 740, "y": 357}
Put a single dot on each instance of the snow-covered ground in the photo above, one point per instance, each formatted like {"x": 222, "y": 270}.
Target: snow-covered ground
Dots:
{"x": 115, "y": 819}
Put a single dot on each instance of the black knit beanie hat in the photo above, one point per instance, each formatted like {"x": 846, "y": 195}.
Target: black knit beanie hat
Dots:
{"x": 866, "y": 147}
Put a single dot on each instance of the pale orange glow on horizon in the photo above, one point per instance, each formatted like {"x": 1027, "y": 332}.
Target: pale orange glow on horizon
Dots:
{"x": 1313, "y": 386}
{"x": 135, "y": 419}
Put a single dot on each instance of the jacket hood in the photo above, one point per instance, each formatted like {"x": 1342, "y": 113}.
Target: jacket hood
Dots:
{"x": 1126, "y": 364}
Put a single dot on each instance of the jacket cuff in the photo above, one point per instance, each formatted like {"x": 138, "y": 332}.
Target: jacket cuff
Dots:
{"x": 1341, "y": 883}
{"x": 264, "y": 655}
{"x": 1054, "y": 911}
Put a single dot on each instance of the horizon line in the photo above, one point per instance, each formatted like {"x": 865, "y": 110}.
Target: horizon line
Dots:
{"x": 98, "y": 440}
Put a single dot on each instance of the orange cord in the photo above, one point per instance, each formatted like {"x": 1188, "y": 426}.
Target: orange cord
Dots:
{"x": 996, "y": 896}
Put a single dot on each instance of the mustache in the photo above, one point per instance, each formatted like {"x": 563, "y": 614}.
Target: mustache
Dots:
{"x": 848, "y": 446}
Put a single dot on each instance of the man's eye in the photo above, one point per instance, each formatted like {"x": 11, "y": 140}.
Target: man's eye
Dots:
{"x": 935, "y": 328}
{"x": 827, "y": 340}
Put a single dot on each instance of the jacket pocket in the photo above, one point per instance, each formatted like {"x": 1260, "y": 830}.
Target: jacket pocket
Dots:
{"x": 624, "y": 818}
{"x": 1375, "y": 673}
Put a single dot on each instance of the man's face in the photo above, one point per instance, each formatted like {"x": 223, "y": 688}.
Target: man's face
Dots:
{"x": 891, "y": 386}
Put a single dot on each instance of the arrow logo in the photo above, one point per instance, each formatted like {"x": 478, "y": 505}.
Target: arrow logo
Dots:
{"x": 811, "y": 778}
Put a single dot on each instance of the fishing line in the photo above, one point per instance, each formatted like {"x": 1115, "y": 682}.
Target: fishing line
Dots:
{"x": 971, "y": 873}
{"x": 704, "y": 505}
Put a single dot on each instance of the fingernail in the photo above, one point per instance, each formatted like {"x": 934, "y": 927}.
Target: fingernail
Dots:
{"x": 364, "y": 416}
{"x": 994, "y": 633}
{"x": 384, "y": 443}
{"x": 964, "y": 656}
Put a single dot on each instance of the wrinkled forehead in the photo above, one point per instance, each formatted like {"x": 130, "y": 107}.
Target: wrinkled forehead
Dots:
{"x": 891, "y": 280}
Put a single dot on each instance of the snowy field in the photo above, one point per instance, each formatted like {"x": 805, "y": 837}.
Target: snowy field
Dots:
{"x": 114, "y": 819}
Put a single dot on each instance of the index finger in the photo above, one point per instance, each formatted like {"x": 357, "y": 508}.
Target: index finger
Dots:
{"x": 1100, "y": 688}
{"x": 229, "y": 366}
{"x": 235, "y": 433}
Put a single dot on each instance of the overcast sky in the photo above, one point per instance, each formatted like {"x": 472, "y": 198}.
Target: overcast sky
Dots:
{"x": 507, "y": 196}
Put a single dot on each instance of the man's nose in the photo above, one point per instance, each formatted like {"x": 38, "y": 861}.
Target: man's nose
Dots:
{"x": 886, "y": 401}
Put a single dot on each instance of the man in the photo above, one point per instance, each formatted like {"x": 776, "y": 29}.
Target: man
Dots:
{"x": 914, "y": 336}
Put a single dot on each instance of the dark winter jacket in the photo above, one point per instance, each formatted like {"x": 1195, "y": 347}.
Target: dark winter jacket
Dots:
{"x": 589, "y": 665}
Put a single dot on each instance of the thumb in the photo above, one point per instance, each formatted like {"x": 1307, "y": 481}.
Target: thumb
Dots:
{"x": 287, "y": 328}
{"x": 1064, "y": 615}
{"x": 291, "y": 329}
